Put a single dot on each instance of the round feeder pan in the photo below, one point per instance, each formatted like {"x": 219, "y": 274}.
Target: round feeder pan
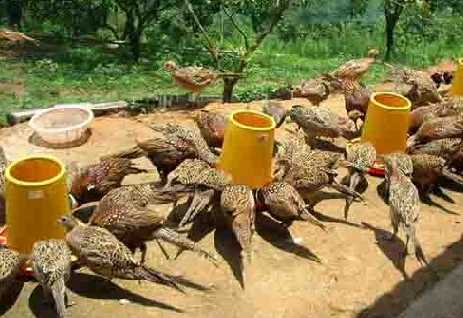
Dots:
{"x": 377, "y": 170}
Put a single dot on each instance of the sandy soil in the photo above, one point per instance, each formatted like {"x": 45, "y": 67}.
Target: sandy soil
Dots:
{"x": 361, "y": 274}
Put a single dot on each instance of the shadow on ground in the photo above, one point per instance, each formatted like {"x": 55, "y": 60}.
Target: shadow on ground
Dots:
{"x": 404, "y": 293}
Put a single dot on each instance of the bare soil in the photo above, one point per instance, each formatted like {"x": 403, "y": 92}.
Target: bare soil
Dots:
{"x": 361, "y": 273}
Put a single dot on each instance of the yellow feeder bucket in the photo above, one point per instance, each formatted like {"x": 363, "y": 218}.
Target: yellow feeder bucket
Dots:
{"x": 36, "y": 196}
{"x": 457, "y": 85}
{"x": 386, "y": 123}
{"x": 248, "y": 148}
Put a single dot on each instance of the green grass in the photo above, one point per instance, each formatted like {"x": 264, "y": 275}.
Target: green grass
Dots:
{"x": 64, "y": 73}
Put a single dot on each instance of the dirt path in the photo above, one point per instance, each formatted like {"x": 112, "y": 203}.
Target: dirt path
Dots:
{"x": 361, "y": 274}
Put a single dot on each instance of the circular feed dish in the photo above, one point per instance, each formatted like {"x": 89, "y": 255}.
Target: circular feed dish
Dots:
{"x": 60, "y": 126}
{"x": 377, "y": 169}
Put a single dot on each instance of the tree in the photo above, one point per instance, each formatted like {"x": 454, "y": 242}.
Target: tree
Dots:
{"x": 139, "y": 15}
{"x": 14, "y": 9}
{"x": 264, "y": 16}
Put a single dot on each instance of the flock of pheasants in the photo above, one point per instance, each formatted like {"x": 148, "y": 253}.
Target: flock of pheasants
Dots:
{"x": 123, "y": 221}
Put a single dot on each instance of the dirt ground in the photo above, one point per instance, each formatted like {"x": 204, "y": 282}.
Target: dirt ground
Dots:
{"x": 361, "y": 273}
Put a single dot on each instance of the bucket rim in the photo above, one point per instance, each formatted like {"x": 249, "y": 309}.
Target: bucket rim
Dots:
{"x": 271, "y": 127}
{"x": 9, "y": 177}
{"x": 407, "y": 106}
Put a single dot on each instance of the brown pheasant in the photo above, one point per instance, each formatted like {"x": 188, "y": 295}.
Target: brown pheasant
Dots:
{"x": 422, "y": 90}
{"x": 427, "y": 169}
{"x": 438, "y": 128}
{"x": 444, "y": 109}
{"x": 445, "y": 148}
{"x": 126, "y": 213}
{"x": 277, "y": 111}
{"x": 360, "y": 157}
{"x": 11, "y": 263}
{"x": 355, "y": 69}
{"x": 212, "y": 127}
{"x": 285, "y": 204}
{"x": 404, "y": 210}
{"x": 202, "y": 181}
{"x": 193, "y": 79}
{"x": 104, "y": 254}
{"x": 321, "y": 122}
{"x": 238, "y": 207}
{"x": 404, "y": 164}
{"x": 94, "y": 181}
{"x": 316, "y": 90}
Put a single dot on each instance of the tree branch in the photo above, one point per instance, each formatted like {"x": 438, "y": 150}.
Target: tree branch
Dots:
{"x": 210, "y": 45}
{"x": 236, "y": 26}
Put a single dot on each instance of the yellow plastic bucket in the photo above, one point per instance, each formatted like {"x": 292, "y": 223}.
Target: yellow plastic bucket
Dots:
{"x": 386, "y": 122}
{"x": 457, "y": 85}
{"x": 248, "y": 148}
{"x": 36, "y": 197}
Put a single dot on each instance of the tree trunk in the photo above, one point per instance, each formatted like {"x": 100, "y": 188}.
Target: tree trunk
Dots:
{"x": 15, "y": 12}
{"x": 134, "y": 39}
{"x": 390, "y": 29}
{"x": 228, "y": 87}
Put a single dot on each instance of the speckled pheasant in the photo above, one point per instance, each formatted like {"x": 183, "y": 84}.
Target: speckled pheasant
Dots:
{"x": 277, "y": 111}
{"x": 126, "y": 213}
{"x": 427, "y": 169}
{"x": 94, "y": 181}
{"x": 3, "y": 165}
{"x": 316, "y": 90}
{"x": 360, "y": 157}
{"x": 190, "y": 137}
{"x": 238, "y": 206}
{"x": 421, "y": 114}
{"x": 321, "y": 122}
{"x": 11, "y": 263}
{"x": 404, "y": 164}
{"x": 212, "y": 127}
{"x": 104, "y": 254}
{"x": 166, "y": 152}
{"x": 437, "y": 128}
{"x": 202, "y": 181}
{"x": 445, "y": 148}
{"x": 404, "y": 210}
{"x": 422, "y": 90}
{"x": 193, "y": 79}
{"x": 355, "y": 69}
{"x": 356, "y": 98}
{"x": 285, "y": 204}
{"x": 51, "y": 263}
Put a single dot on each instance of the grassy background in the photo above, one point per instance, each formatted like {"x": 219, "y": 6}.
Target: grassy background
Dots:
{"x": 64, "y": 71}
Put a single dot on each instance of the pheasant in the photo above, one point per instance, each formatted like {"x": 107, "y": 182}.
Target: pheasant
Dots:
{"x": 404, "y": 210}
{"x": 176, "y": 144}
{"x": 126, "y": 213}
{"x": 96, "y": 180}
{"x": 360, "y": 157}
{"x": 193, "y": 79}
{"x": 285, "y": 204}
{"x": 356, "y": 98}
{"x": 238, "y": 207}
{"x": 212, "y": 127}
{"x": 438, "y": 128}
{"x": 445, "y": 148}
{"x": 51, "y": 263}
{"x": 105, "y": 255}
{"x": 316, "y": 90}
{"x": 277, "y": 111}
{"x": 404, "y": 164}
{"x": 355, "y": 69}
{"x": 11, "y": 263}
{"x": 427, "y": 169}
{"x": 422, "y": 90}
{"x": 196, "y": 177}
{"x": 321, "y": 122}
{"x": 444, "y": 109}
